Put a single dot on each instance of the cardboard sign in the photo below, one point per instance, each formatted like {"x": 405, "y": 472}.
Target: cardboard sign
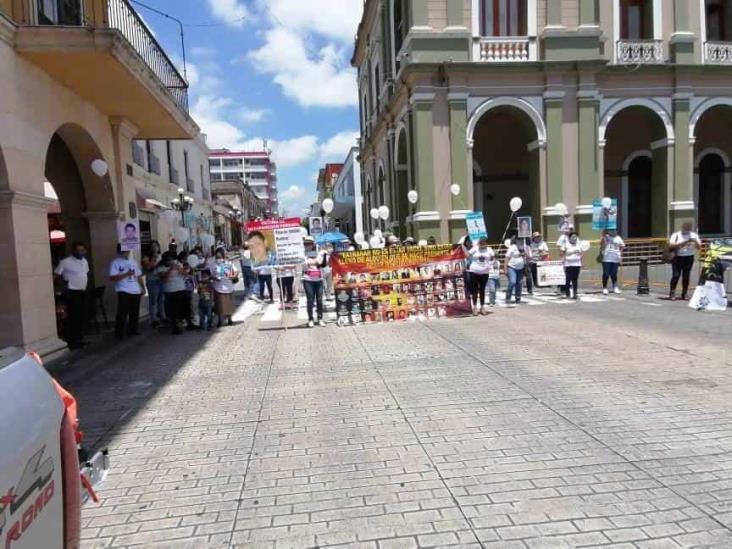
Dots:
{"x": 604, "y": 218}
{"x": 316, "y": 226}
{"x": 550, "y": 273}
{"x": 524, "y": 227}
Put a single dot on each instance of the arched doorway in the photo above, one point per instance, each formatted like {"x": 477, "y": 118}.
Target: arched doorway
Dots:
{"x": 403, "y": 182}
{"x": 84, "y": 207}
{"x": 506, "y": 165}
{"x": 636, "y": 156}
{"x": 711, "y": 194}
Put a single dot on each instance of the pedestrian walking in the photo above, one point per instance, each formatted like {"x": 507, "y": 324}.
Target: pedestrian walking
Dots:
{"x": 683, "y": 245}
{"x": 127, "y": 277}
{"x": 312, "y": 280}
{"x": 611, "y": 251}
{"x": 572, "y": 259}
{"x": 205, "y": 292}
{"x": 171, "y": 272}
{"x": 74, "y": 272}
{"x": 481, "y": 264}
{"x": 224, "y": 275}
{"x": 515, "y": 265}
{"x": 539, "y": 252}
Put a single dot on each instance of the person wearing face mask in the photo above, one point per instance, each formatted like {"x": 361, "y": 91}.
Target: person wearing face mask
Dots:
{"x": 127, "y": 277}
{"x": 611, "y": 248}
{"x": 572, "y": 259}
{"x": 481, "y": 265}
{"x": 225, "y": 275}
{"x": 515, "y": 265}
{"x": 74, "y": 272}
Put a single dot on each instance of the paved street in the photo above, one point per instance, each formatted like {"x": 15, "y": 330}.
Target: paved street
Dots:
{"x": 602, "y": 423}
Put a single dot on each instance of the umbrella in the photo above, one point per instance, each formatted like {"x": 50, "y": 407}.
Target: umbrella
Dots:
{"x": 331, "y": 238}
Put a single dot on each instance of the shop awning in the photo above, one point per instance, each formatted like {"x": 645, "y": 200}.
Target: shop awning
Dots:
{"x": 156, "y": 204}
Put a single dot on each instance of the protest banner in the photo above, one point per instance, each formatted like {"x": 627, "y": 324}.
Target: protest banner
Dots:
{"x": 476, "y": 226}
{"x": 603, "y": 216}
{"x": 550, "y": 273}
{"x": 401, "y": 283}
{"x": 276, "y": 241}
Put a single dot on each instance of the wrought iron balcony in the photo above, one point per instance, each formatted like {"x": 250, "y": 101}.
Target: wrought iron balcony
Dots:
{"x": 639, "y": 52}
{"x": 718, "y": 53}
{"x": 124, "y": 18}
{"x": 505, "y": 49}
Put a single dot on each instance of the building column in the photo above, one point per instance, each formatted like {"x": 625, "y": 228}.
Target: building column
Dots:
{"x": 590, "y": 184}
{"x": 455, "y": 14}
{"x": 681, "y": 203}
{"x": 589, "y": 13}
{"x": 661, "y": 180}
{"x": 426, "y": 219}
{"x": 554, "y": 108}
{"x": 462, "y": 203}
{"x": 682, "y": 40}
{"x": 419, "y": 14}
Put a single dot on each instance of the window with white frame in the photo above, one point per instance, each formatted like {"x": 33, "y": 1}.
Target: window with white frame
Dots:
{"x": 718, "y": 14}
{"x": 401, "y": 23}
{"x": 503, "y": 17}
{"x": 636, "y": 19}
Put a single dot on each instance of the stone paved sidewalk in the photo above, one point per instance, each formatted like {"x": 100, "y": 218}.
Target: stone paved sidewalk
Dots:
{"x": 585, "y": 425}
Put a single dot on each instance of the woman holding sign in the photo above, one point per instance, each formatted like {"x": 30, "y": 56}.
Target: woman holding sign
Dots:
{"x": 481, "y": 264}
{"x": 572, "y": 257}
{"x": 312, "y": 280}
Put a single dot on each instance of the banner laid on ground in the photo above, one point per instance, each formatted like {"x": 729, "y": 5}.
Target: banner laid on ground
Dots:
{"x": 476, "y": 226}
{"x": 550, "y": 273}
{"x": 276, "y": 241}
{"x": 402, "y": 283}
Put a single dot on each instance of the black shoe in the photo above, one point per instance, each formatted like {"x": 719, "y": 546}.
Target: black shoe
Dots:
{"x": 231, "y": 322}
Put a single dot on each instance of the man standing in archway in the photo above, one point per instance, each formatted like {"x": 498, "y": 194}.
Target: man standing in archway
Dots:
{"x": 127, "y": 277}
{"x": 74, "y": 271}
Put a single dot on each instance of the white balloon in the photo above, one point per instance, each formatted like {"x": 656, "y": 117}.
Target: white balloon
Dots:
{"x": 375, "y": 241}
{"x": 561, "y": 208}
{"x": 374, "y": 213}
{"x": 378, "y": 234}
{"x": 412, "y": 196}
{"x": 422, "y": 243}
{"x": 516, "y": 204}
{"x": 99, "y": 167}
{"x": 359, "y": 237}
{"x": 328, "y": 205}
{"x": 584, "y": 245}
{"x": 455, "y": 189}
{"x": 384, "y": 212}
{"x": 607, "y": 203}
{"x": 182, "y": 234}
{"x": 507, "y": 242}
{"x": 193, "y": 261}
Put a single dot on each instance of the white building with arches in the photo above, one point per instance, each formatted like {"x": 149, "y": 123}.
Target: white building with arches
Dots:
{"x": 555, "y": 101}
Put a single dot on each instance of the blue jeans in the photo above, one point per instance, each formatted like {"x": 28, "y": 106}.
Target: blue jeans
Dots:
{"x": 205, "y": 314}
{"x": 610, "y": 271}
{"x": 515, "y": 279}
{"x": 314, "y": 295}
{"x": 493, "y": 284}
{"x": 156, "y": 300}
{"x": 250, "y": 280}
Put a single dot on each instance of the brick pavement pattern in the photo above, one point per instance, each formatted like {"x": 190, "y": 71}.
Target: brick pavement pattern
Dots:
{"x": 532, "y": 428}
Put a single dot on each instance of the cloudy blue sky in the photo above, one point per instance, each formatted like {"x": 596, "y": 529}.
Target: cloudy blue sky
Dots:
{"x": 274, "y": 69}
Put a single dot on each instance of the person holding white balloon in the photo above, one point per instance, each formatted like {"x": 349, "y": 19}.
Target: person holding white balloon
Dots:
{"x": 515, "y": 266}
{"x": 312, "y": 280}
{"x": 572, "y": 253}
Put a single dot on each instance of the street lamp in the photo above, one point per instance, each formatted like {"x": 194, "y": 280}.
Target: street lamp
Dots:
{"x": 182, "y": 204}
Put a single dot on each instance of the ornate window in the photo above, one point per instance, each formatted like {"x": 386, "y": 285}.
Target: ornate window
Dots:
{"x": 503, "y": 18}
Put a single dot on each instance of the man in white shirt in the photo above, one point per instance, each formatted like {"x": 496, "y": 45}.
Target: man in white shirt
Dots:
{"x": 539, "y": 252}
{"x": 683, "y": 244}
{"x": 127, "y": 277}
{"x": 74, "y": 271}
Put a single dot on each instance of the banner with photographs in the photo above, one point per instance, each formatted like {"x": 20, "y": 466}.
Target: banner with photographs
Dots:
{"x": 401, "y": 283}
{"x": 276, "y": 241}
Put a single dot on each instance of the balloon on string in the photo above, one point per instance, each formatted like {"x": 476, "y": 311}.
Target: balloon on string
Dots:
{"x": 328, "y": 205}
{"x": 384, "y": 212}
{"x": 561, "y": 208}
{"x": 607, "y": 203}
{"x": 378, "y": 234}
{"x": 584, "y": 245}
{"x": 516, "y": 204}
{"x": 374, "y": 213}
{"x": 359, "y": 237}
{"x": 375, "y": 241}
{"x": 455, "y": 189}
{"x": 412, "y": 196}
{"x": 99, "y": 167}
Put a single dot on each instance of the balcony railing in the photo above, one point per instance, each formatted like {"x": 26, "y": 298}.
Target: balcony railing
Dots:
{"x": 122, "y": 17}
{"x": 718, "y": 53}
{"x": 504, "y": 49}
{"x": 639, "y": 52}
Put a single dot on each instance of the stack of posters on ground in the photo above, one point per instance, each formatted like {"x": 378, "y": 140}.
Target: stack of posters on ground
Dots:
{"x": 401, "y": 283}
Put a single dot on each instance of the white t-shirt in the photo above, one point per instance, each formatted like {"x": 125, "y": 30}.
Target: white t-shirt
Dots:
{"x": 74, "y": 271}
{"x": 539, "y": 250}
{"x": 481, "y": 260}
{"x": 514, "y": 257}
{"x": 690, "y": 238}
{"x": 613, "y": 250}
{"x": 174, "y": 282}
{"x": 572, "y": 255}
{"x": 129, "y": 284}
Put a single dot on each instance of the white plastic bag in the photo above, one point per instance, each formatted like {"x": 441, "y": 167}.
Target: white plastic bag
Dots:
{"x": 710, "y": 296}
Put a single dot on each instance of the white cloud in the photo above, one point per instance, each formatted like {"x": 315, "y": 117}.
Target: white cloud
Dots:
{"x": 335, "y": 19}
{"x": 292, "y": 194}
{"x": 232, "y": 12}
{"x": 251, "y": 116}
{"x": 207, "y": 112}
{"x": 289, "y": 152}
{"x": 336, "y": 148}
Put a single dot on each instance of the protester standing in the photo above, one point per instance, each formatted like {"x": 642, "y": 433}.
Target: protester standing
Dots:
{"x": 539, "y": 252}
{"x": 515, "y": 265}
{"x": 74, "y": 271}
{"x": 224, "y": 275}
{"x": 127, "y": 277}
{"x": 171, "y": 273}
{"x": 205, "y": 300}
{"x": 467, "y": 245}
{"x": 683, "y": 244}
{"x": 572, "y": 259}
{"x": 312, "y": 280}
{"x": 611, "y": 250}
{"x": 481, "y": 264}
{"x": 154, "y": 288}
{"x": 494, "y": 281}
{"x": 286, "y": 283}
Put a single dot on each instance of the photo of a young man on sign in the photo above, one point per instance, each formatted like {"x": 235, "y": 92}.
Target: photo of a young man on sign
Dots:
{"x": 524, "y": 227}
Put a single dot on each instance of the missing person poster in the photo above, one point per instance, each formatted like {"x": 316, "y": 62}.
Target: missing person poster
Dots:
{"x": 276, "y": 241}
{"x": 524, "y": 227}
{"x": 550, "y": 273}
{"x": 401, "y": 283}
{"x": 128, "y": 234}
{"x": 603, "y": 216}
{"x": 316, "y": 226}
{"x": 476, "y": 226}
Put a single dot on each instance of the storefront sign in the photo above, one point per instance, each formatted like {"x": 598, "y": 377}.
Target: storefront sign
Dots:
{"x": 415, "y": 282}
{"x": 550, "y": 273}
